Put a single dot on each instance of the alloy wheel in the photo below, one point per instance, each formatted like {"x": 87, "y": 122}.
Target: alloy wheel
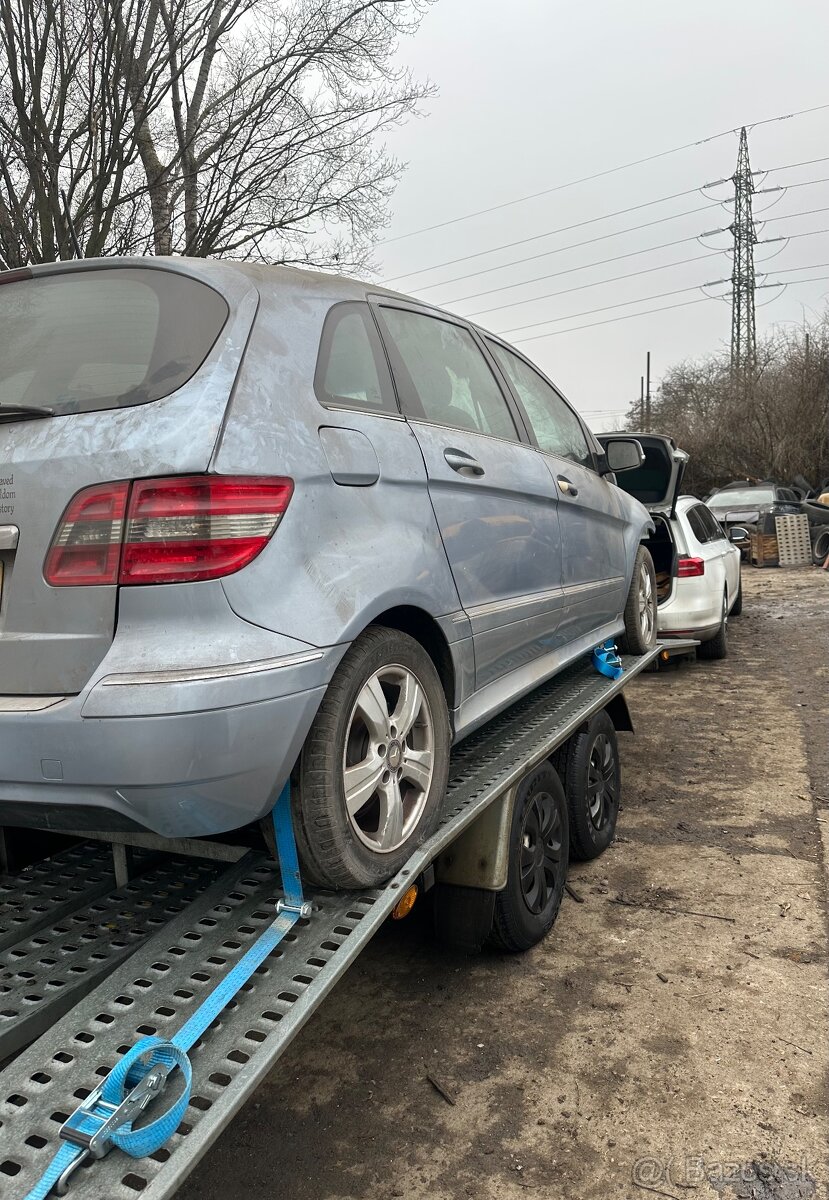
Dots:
{"x": 388, "y": 759}
{"x": 647, "y": 616}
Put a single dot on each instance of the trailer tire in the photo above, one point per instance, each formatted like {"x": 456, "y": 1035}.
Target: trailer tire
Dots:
{"x": 640, "y": 608}
{"x": 528, "y": 906}
{"x": 355, "y": 727}
{"x": 593, "y": 785}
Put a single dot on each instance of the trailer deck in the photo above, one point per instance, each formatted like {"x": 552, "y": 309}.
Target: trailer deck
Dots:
{"x": 178, "y": 946}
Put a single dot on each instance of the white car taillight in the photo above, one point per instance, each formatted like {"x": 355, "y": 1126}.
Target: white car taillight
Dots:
{"x": 690, "y": 567}
{"x": 182, "y": 528}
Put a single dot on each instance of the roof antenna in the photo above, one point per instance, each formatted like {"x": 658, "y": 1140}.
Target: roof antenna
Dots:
{"x": 71, "y": 227}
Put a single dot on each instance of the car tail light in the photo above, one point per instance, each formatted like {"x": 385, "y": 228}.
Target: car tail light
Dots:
{"x": 183, "y": 528}
{"x": 86, "y": 548}
{"x": 689, "y": 567}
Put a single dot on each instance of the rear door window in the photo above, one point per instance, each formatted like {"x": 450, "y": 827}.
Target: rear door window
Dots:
{"x": 711, "y": 524}
{"x": 351, "y": 370}
{"x": 104, "y": 338}
{"x": 699, "y": 525}
{"x": 556, "y": 427}
{"x": 443, "y": 377}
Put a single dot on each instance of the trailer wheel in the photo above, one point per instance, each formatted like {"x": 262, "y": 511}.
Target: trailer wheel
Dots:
{"x": 539, "y": 845}
{"x": 593, "y": 785}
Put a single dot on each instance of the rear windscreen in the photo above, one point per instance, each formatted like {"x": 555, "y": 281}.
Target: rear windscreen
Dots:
{"x": 105, "y": 338}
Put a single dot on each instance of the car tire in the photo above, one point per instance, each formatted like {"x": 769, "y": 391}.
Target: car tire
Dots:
{"x": 717, "y": 646}
{"x": 538, "y": 853}
{"x": 640, "y": 608}
{"x": 356, "y": 831}
{"x": 820, "y": 544}
{"x": 593, "y": 786}
{"x": 737, "y": 606}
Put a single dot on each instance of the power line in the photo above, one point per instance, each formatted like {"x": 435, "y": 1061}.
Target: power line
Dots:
{"x": 603, "y": 237}
{"x": 606, "y": 308}
{"x": 809, "y": 212}
{"x": 791, "y": 270}
{"x": 597, "y": 175}
{"x": 658, "y": 296}
{"x": 650, "y": 311}
{"x": 612, "y": 320}
{"x": 633, "y": 274}
{"x": 597, "y": 283}
{"x": 810, "y": 162}
{"x": 578, "y": 225}
{"x": 765, "y": 171}
{"x": 782, "y": 187}
{"x": 550, "y": 232}
{"x": 603, "y": 262}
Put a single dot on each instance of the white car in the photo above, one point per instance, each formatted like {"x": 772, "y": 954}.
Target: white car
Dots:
{"x": 697, "y": 567}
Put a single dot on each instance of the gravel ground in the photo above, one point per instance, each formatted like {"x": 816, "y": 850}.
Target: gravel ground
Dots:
{"x": 668, "y": 1038}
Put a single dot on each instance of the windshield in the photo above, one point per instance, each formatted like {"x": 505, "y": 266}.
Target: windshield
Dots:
{"x": 103, "y": 338}
{"x": 748, "y": 497}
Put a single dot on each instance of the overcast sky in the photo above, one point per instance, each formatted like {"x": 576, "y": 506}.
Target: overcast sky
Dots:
{"x": 533, "y": 94}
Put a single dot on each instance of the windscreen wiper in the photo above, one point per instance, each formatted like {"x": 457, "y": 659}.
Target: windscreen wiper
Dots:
{"x": 24, "y": 412}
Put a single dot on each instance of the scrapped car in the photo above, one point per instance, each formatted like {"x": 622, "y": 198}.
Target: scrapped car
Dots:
{"x": 260, "y": 523}
{"x": 697, "y": 565}
{"x": 748, "y": 503}
{"x": 753, "y": 508}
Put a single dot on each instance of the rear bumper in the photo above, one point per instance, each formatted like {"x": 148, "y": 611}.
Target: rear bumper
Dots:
{"x": 178, "y": 774}
{"x": 692, "y": 611}
{"x": 189, "y": 726}
{"x": 701, "y": 635}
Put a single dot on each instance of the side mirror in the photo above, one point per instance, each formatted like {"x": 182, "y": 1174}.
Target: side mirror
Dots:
{"x": 738, "y": 534}
{"x": 623, "y": 454}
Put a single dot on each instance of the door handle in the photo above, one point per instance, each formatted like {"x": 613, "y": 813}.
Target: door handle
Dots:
{"x": 566, "y": 486}
{"x": 462, "y": 462}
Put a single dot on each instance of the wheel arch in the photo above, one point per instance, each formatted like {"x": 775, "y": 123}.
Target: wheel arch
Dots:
{"x": 422, "y": 626}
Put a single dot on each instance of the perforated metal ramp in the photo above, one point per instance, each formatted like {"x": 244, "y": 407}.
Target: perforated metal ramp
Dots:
{"x": 46, "y": 892}
{"x": 43, "y": 976}
{"x": 160, "y": 985}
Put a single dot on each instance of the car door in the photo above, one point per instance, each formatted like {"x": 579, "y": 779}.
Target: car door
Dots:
{"x": 711, "y": 542}
{"x": 719, "y": 545}
{"x": 591, "y": 511}
{"x": 491, "y": 493}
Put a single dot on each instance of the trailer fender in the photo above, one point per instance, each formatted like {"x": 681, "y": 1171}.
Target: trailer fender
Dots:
{"x": 479, "y": 857}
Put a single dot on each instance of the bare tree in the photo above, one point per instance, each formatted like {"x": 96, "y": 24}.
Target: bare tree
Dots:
{"x": 780, "y": 430}
{"x": 244, "y": 128}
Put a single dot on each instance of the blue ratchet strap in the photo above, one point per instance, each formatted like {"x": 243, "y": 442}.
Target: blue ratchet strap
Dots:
{"x": 606, "y": 660}
{"x": 105, "y": 1118}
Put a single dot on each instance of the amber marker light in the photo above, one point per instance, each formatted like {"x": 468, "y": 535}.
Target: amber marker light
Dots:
{"x": 405, "y": 904}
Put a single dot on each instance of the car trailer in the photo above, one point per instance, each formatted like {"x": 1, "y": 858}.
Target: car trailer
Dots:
{"x": 88, "y": 968}
{"x": 673, "y": 650}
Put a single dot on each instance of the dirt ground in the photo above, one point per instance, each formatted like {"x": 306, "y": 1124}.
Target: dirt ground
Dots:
{"x": 670, "y": 1036}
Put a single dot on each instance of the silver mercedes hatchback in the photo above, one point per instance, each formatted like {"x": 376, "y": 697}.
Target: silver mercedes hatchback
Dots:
{"x": 259, "y": 524}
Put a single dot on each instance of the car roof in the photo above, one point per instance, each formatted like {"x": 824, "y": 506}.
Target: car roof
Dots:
{"x": 295, "y": 281}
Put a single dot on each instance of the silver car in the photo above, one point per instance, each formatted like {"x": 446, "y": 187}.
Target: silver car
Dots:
{"x": 260, "y": 524}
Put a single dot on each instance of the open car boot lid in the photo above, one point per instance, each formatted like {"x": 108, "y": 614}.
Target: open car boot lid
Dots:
{"x": 657, "y": 482}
